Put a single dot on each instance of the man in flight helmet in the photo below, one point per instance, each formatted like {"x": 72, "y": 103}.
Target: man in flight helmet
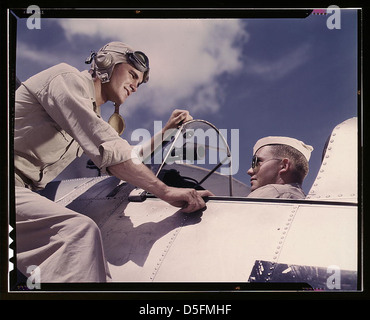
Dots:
{"x": 57, "y": 118}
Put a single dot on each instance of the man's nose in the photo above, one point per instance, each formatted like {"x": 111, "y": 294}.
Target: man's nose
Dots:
{"x": 133, "y": 87}
{"x": 250, "y": 171}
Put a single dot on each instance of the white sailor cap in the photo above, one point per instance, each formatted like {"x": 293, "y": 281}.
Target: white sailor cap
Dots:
{"x": 297, "y": 144}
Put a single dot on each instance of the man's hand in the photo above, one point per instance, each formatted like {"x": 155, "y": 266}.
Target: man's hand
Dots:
{"x": 177, "y": 118}
{"x": 189, "y": 200}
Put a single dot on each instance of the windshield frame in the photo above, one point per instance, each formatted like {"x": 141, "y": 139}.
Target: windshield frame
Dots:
{"x": 182, "y": 130}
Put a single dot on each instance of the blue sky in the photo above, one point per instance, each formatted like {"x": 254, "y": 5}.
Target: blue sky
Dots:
{"x": 291, "y": 77}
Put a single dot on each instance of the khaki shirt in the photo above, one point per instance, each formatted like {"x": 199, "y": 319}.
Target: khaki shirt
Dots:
{"x": 285, "y": 191}
{"x": 56, "y": 120}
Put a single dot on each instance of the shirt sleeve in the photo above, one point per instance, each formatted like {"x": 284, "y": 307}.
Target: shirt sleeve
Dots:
{"x": 65, "y": 98}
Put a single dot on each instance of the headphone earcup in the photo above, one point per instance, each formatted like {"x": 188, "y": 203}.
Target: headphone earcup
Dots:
{"x": 103, "y": 60}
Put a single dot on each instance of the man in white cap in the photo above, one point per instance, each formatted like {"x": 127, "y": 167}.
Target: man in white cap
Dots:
{"x": 279, "y": 166}
{"x": 57, "y": 118}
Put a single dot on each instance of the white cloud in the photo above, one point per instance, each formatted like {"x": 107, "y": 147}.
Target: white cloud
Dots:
{"x": 277, "y": 69}
{"x": 186, "y": 57}
{"x": 31, "y": 55}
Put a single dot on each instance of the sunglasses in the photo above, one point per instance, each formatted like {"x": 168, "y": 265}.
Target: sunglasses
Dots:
{"x": 255, "y": 161}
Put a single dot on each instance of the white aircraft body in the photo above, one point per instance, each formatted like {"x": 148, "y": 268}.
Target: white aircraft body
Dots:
{"x": 237, "y": 242}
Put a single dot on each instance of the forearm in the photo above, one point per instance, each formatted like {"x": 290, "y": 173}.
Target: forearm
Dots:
{"x": 148, "y": 147}
{"x": 189, "y": 200}
{"x": 176, "y": 119}
{"x": 140, "y": 176}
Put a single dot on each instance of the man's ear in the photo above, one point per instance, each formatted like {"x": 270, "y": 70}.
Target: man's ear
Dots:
{"x": 285, "y": 165}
